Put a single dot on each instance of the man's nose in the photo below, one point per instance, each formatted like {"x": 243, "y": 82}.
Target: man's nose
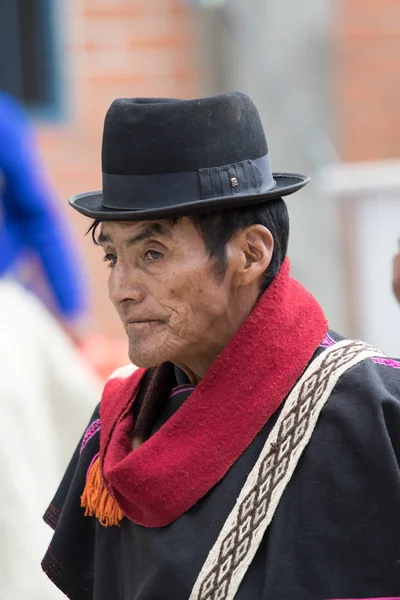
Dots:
{"x": 124, "y": 284}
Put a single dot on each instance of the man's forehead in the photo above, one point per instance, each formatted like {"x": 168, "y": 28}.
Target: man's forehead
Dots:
{"x": 124, "y": 230}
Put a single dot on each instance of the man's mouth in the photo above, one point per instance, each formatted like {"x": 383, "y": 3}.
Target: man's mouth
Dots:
{"x": 139, "y": 322}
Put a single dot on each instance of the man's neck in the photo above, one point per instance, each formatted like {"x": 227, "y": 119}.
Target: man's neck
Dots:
{"x": 193, "y": 378}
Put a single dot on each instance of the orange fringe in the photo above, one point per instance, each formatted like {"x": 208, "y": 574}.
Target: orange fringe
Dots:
{"x": 97, "y": 500}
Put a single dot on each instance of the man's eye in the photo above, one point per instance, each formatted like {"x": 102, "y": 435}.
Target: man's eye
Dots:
{"x": 111, "y": 259}
{"x": 152, "y": 255}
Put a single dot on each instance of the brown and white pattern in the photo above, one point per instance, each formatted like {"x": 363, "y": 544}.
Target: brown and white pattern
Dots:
{"x": 244, "y": 529}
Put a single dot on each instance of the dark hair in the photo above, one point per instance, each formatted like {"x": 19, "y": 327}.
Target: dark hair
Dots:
{"x": 218, "y": 228}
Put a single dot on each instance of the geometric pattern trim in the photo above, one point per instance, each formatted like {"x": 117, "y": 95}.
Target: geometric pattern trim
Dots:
{"x": 89, "y": 433}
{"x": 241, "y": 535}
{"x": 327, "y": 341}
{"x": 388, "y": 362}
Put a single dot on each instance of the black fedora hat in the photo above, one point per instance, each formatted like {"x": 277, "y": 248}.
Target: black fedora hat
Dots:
{"x": 163, "y": 158}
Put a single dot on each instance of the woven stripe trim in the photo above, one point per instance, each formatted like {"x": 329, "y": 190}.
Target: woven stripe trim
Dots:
{"x": 241, "y": 535}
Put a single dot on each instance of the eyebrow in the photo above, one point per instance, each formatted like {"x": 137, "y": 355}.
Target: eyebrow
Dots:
{"x": 148, "y": 231}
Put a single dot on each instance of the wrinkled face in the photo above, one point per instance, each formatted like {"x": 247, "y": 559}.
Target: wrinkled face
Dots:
{"x": 162, "y": 283}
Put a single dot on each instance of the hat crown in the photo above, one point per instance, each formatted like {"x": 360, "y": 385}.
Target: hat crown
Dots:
{"x": 166, "y": 158}
{"x": 145, "y": 136}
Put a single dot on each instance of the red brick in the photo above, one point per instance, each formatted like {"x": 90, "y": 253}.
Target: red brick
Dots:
{"x": 114, "y": 48}
{"x": 366, "y": 93}
{"x": 368, "y": 16}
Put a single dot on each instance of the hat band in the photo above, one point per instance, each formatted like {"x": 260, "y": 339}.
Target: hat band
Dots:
{"x": 139, "y": 192}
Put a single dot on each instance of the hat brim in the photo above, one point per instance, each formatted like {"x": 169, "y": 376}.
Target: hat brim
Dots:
{"x": 90, "y": 203}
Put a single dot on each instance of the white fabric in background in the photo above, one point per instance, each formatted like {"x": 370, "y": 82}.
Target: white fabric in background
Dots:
{"x": 47, "y": 395}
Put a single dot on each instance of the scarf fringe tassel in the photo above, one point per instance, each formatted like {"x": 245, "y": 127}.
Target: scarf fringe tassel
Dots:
{"x": 97, "y": 500}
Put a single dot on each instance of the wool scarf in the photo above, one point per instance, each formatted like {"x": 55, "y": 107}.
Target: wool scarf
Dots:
{"x": 154, "y": 480}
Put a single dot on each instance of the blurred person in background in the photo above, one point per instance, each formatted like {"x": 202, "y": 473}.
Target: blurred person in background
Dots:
{"x": 254, "y": 455}
{"x": 46, "y": 391}
{"x": 396, "y": 274}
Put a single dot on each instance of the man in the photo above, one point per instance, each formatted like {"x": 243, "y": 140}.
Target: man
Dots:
{"x": 253, "y": 454}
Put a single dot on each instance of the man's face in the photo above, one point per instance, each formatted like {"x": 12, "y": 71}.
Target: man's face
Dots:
{"x": 161, "y": 282}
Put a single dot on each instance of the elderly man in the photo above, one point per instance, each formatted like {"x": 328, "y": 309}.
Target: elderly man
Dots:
{"x": 254, "y": 454}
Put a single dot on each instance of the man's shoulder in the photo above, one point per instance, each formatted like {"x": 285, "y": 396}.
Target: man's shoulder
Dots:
{"x": 362, "y": 413}
{"x": 373, "y": 382}
{"x": 379, "y": 368}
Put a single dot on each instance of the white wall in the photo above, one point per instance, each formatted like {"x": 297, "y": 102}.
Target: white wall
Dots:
{"x": 279, "y": 53}
{"x": 377, "y": 231}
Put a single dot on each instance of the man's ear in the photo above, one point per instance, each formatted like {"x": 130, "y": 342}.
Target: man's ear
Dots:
{"x": 257, "y": 245}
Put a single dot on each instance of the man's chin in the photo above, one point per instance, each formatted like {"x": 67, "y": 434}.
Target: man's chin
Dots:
{"x": 144, "y": 361}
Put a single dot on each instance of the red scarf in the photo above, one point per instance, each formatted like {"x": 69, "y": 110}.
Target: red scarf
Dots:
{"x": 167, "y": 474}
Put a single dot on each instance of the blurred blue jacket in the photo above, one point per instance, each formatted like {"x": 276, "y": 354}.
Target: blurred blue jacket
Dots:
{"x": 29, "y": 221}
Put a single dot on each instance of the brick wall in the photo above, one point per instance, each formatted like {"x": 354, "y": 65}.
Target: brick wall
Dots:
{"x": 367, "y": 78}
{"x": 112, "y": 48}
